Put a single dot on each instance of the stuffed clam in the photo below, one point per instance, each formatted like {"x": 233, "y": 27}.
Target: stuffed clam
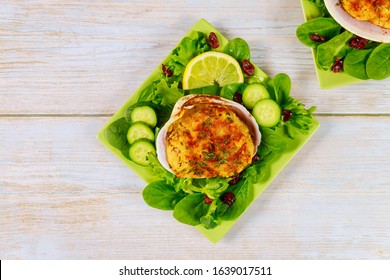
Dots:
{"x": 207, "y": 136}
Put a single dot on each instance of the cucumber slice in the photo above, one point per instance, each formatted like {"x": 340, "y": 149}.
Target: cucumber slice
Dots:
{"x": 139, "y": 151}
{"x": 139, "y": 130}
{"x": 144, "y": 114}
{"x": 267, "y": 112}
{"x": 253, "y": 93}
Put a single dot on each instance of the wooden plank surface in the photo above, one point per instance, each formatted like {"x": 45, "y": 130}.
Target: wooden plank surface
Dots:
{"x": 92, "y": 55}
{"x": 67, "y": 66}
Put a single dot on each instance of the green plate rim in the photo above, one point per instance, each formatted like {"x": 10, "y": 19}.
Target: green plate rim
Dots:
{"x": 276, "y": 166}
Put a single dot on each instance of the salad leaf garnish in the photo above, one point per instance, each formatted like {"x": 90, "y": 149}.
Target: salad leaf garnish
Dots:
{"x": 228, "y": 91}
{"x": 161, "y": 195}
{"x": 188, "y": 48}
{"x": 321, "y": 4}
{"x": 167, "y": 94}
{"x": 301, "y": 119}
{"x": 116, "y": 135}
{"x": 191, "y": 209}
{"x": 162, "y": 92}
{"x": 271, "y": 142}
{"x": 160, "y": 171}
{"x": 239, "y": 49}
{"x": 325, "y": 27}
{"x": 336, "y": 47}
{"x": 281, "y": 88}
{"x": 241, "y": 195}
{"x": 209, "y": 90}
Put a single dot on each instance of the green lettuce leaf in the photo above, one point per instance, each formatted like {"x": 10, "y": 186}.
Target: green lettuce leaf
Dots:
{"x": 301, "y": 119}
{"x": 188, "y": 48}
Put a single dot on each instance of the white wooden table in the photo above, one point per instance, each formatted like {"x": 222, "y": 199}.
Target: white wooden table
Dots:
{"x": 65, "y": 68}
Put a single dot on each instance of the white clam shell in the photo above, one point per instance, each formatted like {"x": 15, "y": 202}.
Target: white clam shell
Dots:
{"x": 188, "y": 102}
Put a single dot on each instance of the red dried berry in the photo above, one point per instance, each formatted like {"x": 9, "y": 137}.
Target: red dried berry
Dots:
{"x": 167, "y": 72}
{"x": 256, "y": 158}
{"x": 235, "y": 179}
{"x": 213, "y": 40}
{"x": 208, "y": 200}
{"x": 237, "y": 97}
{"x": 287, "y": 115}
{"x": 358, "y": 43}
{"x": 338, "y": 65}
{"x": 248, "y": 67}
{"x": 228, "y": 198}
{"x": 315, "y": 37}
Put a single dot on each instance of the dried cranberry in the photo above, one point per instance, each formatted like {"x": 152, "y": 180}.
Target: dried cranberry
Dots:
{"x": 237, "y": 97}
{"x": 256, "y": 158}
{"x": 167, "y": 72}
{"x": 208, "y": 200}
{"x": 287, "y": 115}
{"x": 338, "y": 65}
{"x": 315, "y": 37}
{"x": 235, "y": 179}
{"x": 248, "y": 67}
{"x": 213, "y": 40}
{"x": 228, "y": 198}
{"x": 358, "y": 43}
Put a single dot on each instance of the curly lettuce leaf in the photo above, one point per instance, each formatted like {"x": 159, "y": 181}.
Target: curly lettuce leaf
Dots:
{"x": 187, "y": 49}
{"x": 162, "y": 92}
{"x": 301, "y": 119}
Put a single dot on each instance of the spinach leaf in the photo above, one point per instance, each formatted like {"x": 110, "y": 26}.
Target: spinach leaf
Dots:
{"x": 191, "y": 209}
{"x": 282, "y": 88}
{"x": 147, "y": 94}
{"x": 336, "y": 47}
{"x": 210, "y": 90}
{"x": 355, "y": 63}
{"x": 325, "y": 27}
{"x": 378, "y": 64}
{"x": 161, "y": 195}
{"x": 241, "y": 200}
{"x": 271, "y": 142}
{"x": 228, "y": 91}
{"x": 238, "y": 48}
{"x": 116, "y": 135}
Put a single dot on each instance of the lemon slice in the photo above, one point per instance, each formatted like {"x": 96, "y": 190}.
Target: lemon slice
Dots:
{"x": 212, "y": 67}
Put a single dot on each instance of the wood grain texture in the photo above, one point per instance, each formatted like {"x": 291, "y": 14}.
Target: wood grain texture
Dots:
{"x": 65, "y": 196}
{"x": 67, "y": 66}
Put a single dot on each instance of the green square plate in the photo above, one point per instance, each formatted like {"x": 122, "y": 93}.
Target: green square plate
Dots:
{"x": 326, "y": 79}
{"x": 277, "y": 165}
